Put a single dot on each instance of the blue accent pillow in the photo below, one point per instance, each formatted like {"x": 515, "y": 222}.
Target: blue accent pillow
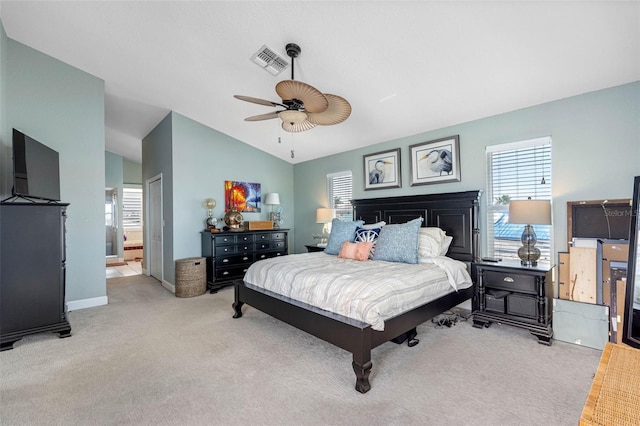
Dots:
{"x": 368, "y": 235}
{"x": 341, "y": 231}
{"x": 398, "y": 243}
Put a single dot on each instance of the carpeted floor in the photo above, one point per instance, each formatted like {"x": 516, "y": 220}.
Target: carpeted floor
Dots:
{"x": 151, "y": 358}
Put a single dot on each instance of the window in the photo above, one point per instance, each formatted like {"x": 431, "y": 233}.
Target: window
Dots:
{"x": 517, "y": 171}
{"x": 132, "y": 208}
{"x": 339, "y": 193}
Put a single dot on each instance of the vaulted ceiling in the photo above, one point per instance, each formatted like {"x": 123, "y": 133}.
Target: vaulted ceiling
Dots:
{"x": 406, "y": 67}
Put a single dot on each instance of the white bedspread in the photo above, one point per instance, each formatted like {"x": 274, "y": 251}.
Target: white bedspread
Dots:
{"x": 370, "y": 291}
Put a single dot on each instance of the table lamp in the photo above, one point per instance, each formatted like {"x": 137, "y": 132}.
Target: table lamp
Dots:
{"x": 529, "y": 212}
{"x": 325, "y": 216}
{"x": 273, "y": 199}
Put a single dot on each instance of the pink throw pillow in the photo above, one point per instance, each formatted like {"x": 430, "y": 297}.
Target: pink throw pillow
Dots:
{"x": 355, "y": 251}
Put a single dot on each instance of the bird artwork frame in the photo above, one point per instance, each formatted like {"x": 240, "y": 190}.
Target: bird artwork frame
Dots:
{"x": 435, "y": 161}
{"x": 382, "y": 170}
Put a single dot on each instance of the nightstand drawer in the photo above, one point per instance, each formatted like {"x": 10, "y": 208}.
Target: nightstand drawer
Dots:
{"x": 510, "y": 281}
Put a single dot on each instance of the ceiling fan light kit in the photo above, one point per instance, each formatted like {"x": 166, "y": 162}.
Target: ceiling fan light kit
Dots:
{"x": 304, "y": 105}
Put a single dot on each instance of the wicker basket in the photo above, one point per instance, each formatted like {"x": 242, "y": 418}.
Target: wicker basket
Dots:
{"x": 190, "y": 277}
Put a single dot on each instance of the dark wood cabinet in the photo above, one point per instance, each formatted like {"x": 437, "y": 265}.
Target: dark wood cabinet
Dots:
{"x": 515, "y": 295}
{"x": 311, "y": 248}
{"x": 32, "y": 275}
{"x": 229, "y": 254}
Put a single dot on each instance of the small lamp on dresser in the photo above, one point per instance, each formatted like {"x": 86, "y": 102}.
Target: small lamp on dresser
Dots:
{"x": 273, "y": 199}
{"x": 529, "y": 212}
{"x": 325, "y": 216}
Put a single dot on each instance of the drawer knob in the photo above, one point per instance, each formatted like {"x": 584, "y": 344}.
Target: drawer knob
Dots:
{"x": 262, "y": 257}
{"x": 225, "y": 260}
{"x": 225, "y": 273}
{"x": 245, "y": 258}
{"x": 508, "y": 279}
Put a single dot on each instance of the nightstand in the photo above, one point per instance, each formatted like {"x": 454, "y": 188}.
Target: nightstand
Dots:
{"x": 520, "y": 296}
{"x": 312, "y": 247}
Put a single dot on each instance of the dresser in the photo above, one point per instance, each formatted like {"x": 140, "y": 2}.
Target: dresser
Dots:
{"x": 515, "y": 295}
{"x": 229, "y": 254}
{"x": 32, "y": 272}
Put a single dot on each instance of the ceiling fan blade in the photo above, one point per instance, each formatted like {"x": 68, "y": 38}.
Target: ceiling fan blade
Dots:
{"x": 338, "y": 111}
{"x": 266, "y": 116}
{"x": 297, "y": 127}
{"x": 313, "y": 100}
{"x": 257, "y": 101}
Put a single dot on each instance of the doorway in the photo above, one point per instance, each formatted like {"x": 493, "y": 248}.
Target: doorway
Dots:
{"x": 154, "y": 237}
{"x": 111, "y": 223}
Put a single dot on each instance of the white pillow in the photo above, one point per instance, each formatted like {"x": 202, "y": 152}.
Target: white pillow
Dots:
{"x": 433, "y": 242}
{"x": 374, "y": 225}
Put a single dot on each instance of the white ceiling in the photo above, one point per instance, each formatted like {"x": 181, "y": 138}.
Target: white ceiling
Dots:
{"x": 406, "y": 67}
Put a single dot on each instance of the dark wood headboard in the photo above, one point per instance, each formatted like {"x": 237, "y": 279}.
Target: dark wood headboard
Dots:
{"x": 455, "y": 212}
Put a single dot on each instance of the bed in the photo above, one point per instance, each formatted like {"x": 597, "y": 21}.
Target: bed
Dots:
{"x": 455, "y": 213}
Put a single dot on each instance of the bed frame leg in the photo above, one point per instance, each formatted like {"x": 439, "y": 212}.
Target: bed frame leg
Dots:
{"x": 362, "y": 376}
{"x": 237, "y": 304}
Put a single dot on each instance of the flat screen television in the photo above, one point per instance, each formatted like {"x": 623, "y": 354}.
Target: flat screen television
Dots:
{"x": 36, "y": 169}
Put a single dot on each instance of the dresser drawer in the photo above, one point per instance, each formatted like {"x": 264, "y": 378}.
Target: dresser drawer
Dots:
{"x": 244, "y": 248}
{"x": 225, "y": 240}
{"x": 231, "y": 272}
{"x": 269, "y": 254}
{"x": 510, "y": 281}
{"x": 236, "y": 259}
{"x": 243, "y": 238}
{"x": 278, "y": 235}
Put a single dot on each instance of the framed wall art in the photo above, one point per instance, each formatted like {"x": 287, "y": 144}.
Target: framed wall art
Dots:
{"x": 436, "y": 161}
{"x": 382, "y": 170}
{"x": 242, "y": 196}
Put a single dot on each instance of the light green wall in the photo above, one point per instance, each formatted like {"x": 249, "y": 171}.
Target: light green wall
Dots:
{"x": 156, "y": 161}
{"x": 195, "y": 161}
{"x": 63, "y": 108}
{"x": 131, "y": 172}
{"x": 596, "y": 153}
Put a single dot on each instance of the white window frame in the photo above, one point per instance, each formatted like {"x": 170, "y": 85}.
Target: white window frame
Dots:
{"x": 335, "y": 182}
{"x": 524, "y": 180}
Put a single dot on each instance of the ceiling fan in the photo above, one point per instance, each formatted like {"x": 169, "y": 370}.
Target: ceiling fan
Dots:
{"x": 304, "y": 105}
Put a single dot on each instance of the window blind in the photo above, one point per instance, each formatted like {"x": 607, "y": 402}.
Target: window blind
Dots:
{"x": 517, "y": 171}
{"x": 131, "y": 208}
{"x": 339, "y": 194}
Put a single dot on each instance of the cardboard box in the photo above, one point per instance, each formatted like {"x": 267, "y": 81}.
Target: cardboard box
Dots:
{"x": 256, "y": 225}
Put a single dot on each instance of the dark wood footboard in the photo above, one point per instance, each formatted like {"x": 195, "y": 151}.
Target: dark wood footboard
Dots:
{"x": 351, "y": 335}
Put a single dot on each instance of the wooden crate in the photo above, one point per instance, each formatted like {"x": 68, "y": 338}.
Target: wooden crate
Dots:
{"x": 256, "y": 225}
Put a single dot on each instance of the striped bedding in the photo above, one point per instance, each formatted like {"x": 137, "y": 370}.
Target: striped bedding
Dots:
{"x": 370, "y": 291}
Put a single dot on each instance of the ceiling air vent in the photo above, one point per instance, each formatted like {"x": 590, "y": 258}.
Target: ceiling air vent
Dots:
{"x": 269, "y": 60}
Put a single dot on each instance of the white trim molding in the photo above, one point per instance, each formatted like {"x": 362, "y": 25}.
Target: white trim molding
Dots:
{"x": 75, "y": 305}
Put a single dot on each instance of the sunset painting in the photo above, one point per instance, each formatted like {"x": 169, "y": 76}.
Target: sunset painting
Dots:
{"x": 242, "y": 196}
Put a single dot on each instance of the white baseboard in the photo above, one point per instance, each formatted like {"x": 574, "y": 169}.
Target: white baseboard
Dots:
{"x": 169, "y": 286}
{"x": 75, "y": 305}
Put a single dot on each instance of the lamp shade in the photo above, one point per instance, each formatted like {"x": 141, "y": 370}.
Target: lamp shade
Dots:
{"x": 325, "y": 215}
{"x": 530, "y": 212}
{"x": 273, "y": 198}
{"x": 292, "y": 116}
